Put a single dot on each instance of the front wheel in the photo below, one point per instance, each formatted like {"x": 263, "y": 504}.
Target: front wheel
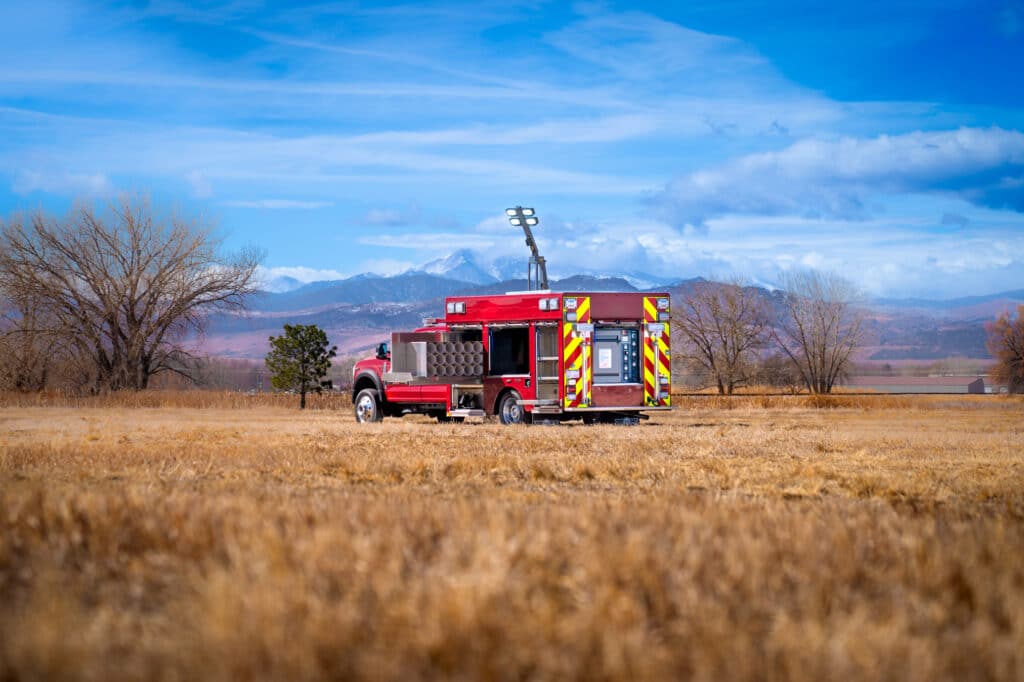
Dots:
{"x": 367, "y": 406}
{"x": 509, "y": 409}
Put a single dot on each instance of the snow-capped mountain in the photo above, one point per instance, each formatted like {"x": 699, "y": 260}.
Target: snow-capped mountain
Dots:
{"x": 508, "y": 268}
{"x": 461, "y": 265}
{"x": 466, "y": 266}
{"x": 281, "y": 285}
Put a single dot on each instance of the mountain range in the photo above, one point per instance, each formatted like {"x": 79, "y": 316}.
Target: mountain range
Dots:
{"x": 467, "y": 267}
{"x": 358, "y": 312}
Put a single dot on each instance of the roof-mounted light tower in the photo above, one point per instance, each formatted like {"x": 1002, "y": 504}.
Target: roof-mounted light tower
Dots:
{"x": 538, "y": 270}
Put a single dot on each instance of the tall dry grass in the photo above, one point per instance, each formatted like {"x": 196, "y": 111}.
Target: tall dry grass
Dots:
{"x": 713, "y": 543}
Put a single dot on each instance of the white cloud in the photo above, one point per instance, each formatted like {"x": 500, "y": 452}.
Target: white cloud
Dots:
{"x": 393, "y": 217}
{"x": 429, "y": 241}
{"x": 278, "y": 204}
{"x": 63, "y": 183}
{"x": 386, "y": 266}
{"x": 896, "y": 255}
{"x": 565, "y": 131}
{"x": 838, "y": 178}
{"x": 201, "y": 188}
{"x": 299, "y": 272}
{"x": 636, "y": 45}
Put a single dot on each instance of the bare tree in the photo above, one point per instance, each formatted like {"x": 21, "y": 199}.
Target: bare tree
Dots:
{"x": 26, "y": 353}
{"x": 819, "y": 327}
{"x": 722, "y": 326}
{"x": 777, "y": 371}
{"x": 1006, "y": 343}
{"x": 122, "y": 290}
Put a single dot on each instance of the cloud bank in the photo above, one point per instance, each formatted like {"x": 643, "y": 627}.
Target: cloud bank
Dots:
{"x": 838, "y": 178}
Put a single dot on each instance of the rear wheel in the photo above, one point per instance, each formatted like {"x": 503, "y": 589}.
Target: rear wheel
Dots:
{"x": 509, "y": 409}
{"x": 367, "y": 406}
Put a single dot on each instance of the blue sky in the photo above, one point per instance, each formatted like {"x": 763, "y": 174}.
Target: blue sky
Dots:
{"x": 882, "y": 140}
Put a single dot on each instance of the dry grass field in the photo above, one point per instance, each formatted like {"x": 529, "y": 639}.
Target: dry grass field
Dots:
{"x": 197, "y": 536}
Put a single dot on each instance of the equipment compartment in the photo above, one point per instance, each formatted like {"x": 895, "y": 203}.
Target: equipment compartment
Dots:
{"x": 616, "y": 355}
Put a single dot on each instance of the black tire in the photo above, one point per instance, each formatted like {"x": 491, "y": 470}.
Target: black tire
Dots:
{"x": 510, "y": 411}
{"x": 367, "y": 406}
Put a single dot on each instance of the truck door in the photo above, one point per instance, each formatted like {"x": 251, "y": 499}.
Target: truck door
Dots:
{"x": 546, "y": 367}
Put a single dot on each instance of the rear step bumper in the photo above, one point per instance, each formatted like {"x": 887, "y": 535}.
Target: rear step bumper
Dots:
{"x": 466, "y": 412}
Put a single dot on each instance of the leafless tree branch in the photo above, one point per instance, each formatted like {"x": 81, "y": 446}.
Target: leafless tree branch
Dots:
{"x": 121, "y": 289}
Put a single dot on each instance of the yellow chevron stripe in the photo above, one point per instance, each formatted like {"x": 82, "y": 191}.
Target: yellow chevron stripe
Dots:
{"x": 570, "y": 348}
{"x": 650, "y": 309}
{"x": 583, "y": 309}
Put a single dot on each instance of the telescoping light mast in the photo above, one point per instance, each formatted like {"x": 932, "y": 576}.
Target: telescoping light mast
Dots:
{"x": 538, "y": 270}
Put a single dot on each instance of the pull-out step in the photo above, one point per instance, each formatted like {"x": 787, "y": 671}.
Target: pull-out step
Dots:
{"x": 466, "y": 412}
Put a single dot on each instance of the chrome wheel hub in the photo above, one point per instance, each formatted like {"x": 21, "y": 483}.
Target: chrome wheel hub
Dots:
{"x": 366, "y": 409}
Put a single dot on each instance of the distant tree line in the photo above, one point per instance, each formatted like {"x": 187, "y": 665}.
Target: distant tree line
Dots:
{"x": 733, "y": 335}
{"x": 803, "y": 337}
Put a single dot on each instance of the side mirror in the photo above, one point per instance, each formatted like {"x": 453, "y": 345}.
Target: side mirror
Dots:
{"x": 382, "y": 351}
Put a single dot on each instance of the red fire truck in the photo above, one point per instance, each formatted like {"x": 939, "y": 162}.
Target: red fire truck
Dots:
{"x": 526, "y": 356}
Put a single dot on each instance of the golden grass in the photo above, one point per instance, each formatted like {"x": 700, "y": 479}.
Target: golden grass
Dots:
{"x": 171, "y": 398}
{"x": 731, "y": 539}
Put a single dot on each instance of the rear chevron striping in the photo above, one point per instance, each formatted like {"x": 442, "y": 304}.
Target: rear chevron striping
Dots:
{"x": 657, "y": 356}
{"x": 650, "y": 309}
{"x": 575, "y": 355}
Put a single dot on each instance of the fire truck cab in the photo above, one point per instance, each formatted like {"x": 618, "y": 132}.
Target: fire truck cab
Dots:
{"x": 526, "y": 356}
